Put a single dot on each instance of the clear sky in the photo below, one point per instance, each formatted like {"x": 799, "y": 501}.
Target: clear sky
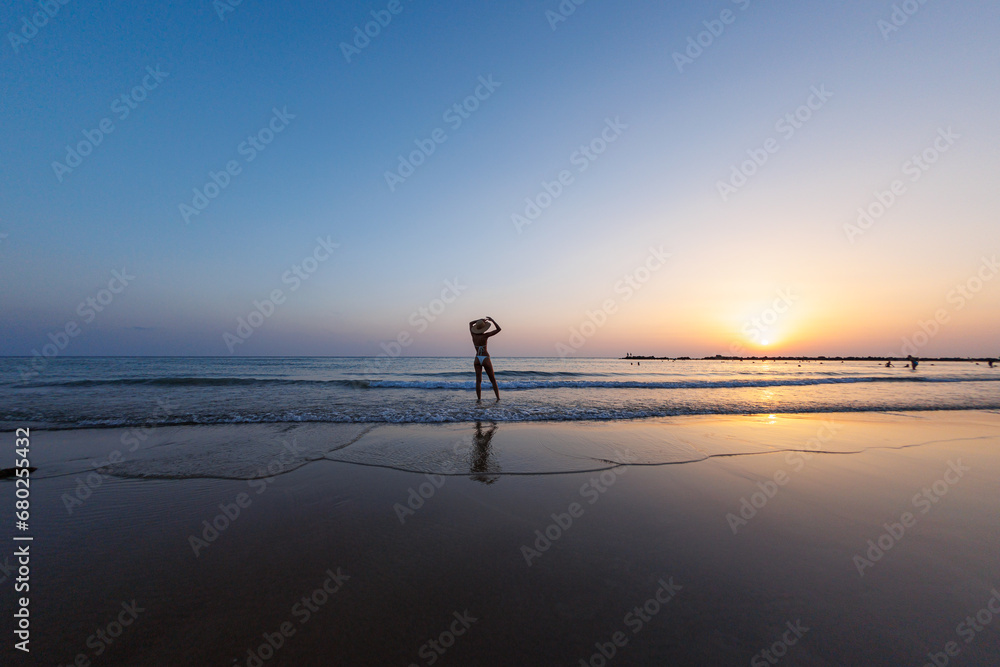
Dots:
{"x": 311, "y": 127}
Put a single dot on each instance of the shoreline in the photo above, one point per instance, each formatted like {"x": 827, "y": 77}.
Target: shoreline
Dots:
{"x": 516, "y": 448}
{"x": 598, "y": 420}
{"x": 511, "y": 448}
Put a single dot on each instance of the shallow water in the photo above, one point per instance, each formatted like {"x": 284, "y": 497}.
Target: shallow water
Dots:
{"x": 94, "y": 392}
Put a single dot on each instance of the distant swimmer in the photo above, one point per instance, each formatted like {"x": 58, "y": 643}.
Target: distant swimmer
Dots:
{"x": 991, "y": 363}
{"x": 913, "y": 361}
{"x": 478, "y": 329}
{"x": 888, "y": 364}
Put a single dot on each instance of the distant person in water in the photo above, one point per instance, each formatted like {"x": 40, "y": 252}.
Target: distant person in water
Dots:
{"x": 478, "y": 329}
{"x": 888, "y": 364}
{"x": 913, "y": 361}
{"x": 991, "y": 363}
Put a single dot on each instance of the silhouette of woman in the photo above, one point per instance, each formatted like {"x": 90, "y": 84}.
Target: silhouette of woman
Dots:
{"x": 478, "y": 329}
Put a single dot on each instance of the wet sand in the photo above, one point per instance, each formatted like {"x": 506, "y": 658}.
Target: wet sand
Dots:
{"x": 687, "y": 541}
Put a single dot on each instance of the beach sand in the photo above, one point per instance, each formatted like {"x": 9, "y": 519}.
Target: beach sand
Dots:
{"x": 678, "y": 541}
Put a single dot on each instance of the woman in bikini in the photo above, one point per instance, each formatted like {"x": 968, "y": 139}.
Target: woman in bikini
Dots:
{"x": 478, "y": 329}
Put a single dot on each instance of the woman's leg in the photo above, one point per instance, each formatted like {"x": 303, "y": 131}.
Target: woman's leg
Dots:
{"x": 479, "y": 380}
{"x": 489, "y": 371}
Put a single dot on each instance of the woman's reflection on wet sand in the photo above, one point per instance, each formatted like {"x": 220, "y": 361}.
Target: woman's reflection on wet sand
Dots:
{"x": 483, "y": 465}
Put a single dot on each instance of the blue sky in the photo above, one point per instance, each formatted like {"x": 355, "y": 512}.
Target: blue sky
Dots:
{"x": 655, "y": 185}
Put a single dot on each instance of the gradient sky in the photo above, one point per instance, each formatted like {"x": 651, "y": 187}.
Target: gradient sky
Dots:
{"x": 655, "y": 186}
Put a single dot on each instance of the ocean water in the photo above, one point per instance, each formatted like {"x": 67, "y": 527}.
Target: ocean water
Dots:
{"x": 72, "y": 393}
